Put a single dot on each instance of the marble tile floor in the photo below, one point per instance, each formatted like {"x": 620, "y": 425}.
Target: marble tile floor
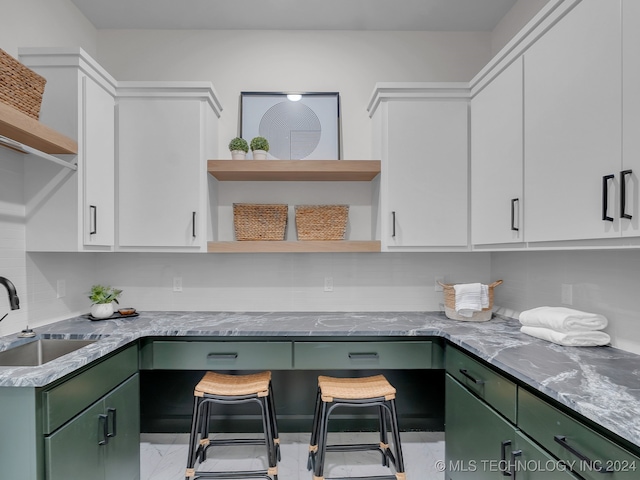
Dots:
{"x": 163, "y": 456}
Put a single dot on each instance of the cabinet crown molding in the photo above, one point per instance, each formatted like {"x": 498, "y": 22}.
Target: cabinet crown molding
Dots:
{"x": 384, "y": 91}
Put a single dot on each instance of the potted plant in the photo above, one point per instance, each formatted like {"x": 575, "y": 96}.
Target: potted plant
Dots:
{"x": 238, "y": 148}
{"x": 102, "y": 299}
{"x": 259, "y": 148}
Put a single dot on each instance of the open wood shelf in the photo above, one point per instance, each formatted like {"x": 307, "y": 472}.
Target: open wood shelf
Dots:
{"x": 20, "y": 127}
{"x": 294, "y": 170}
{"x": 294, "y": 246}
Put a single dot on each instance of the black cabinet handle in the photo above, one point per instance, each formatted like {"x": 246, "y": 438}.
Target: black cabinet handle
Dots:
{"x": 593, "y": 465}
{"x": 503, "y": 458}
{"x": 514, "y": 454}
{"x": 363, "y": 356}
{"x": 193, "y": 225}
{"x": 104, "y": 429}
{"x": 222, "y": 356}
{"x": 513, "y": 214}
{"x": 111, "y": 415}
{"x": 464, "y": 372}
{"x": 393, "y": 224}
{"x": 623, "y": 194}
{"x": 605, "y": 197}
{"x": 93, "y": 213}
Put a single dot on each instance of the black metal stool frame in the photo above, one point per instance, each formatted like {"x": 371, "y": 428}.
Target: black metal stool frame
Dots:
{"x": 319, "y": 435}
{"x": 200, "y": 424}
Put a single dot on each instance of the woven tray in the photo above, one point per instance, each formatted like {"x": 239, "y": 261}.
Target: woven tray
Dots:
{"x": 260, "y": 221}
{"x": 450, "y": 304}
{"x": 321, "y": 222}
{"x": 20, "y": 87}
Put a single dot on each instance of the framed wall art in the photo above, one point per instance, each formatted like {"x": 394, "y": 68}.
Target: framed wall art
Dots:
{"x": 298, "y": 126}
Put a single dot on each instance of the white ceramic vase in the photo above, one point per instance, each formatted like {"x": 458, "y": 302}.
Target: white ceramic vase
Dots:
{"x": 238, "y": 155}
{"x": 259, "y": 154}
{"x": 101, "y": 310}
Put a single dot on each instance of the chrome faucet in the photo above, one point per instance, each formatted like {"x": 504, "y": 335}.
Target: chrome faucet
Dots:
{"x": 13, "y": 296}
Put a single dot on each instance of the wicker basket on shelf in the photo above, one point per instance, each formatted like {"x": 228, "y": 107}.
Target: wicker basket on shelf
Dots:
{"x": 450, "y": 304}
{"x": 260, "y": 221}
{"x": 20, "y": 87}
{"x": 321, "y": 222}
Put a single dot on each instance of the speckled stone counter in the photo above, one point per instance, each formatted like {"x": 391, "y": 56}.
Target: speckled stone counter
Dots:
{"x": 601, "y": 383}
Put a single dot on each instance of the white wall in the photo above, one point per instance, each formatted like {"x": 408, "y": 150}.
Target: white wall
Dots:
{"x": 604, "y": 282}
{"x": 27, "y": 23}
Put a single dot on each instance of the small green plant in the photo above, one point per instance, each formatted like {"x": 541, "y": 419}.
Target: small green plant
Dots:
{"x": 259, "y": 143}
{"x": 238, "y": 144}
{"x": 102, "y": 294}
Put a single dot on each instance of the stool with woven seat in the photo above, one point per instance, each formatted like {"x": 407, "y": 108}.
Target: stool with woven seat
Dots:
{"x": 232, "y": 389}
{"x": 373, "y": 391}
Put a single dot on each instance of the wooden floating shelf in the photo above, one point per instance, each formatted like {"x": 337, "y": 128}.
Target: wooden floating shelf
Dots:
{"x": 294, "y": 170}
{"x": 312, "y": 246}
{"x": 22, "y": 128}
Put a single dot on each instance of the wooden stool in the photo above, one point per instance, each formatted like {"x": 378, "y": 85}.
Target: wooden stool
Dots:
{"x": 355, "y": 392}
{"x": 233, "y": 389}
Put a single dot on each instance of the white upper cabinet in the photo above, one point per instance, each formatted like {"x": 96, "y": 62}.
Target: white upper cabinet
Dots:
{"x": 70, "y": 210}
{"x": 572, "y": 125}
{"x": 166, "y": 134}
{"x": 496, "y": 159}
{"x": 421, "y": 136}
{"x": 630, "y": 171}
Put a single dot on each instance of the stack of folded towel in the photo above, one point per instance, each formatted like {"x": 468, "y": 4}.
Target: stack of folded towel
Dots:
{"x": 565, "y": 326}
{"x": 471, "y": 298}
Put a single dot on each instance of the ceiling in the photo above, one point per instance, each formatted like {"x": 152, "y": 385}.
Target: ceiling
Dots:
{"x": 436, "y": 15}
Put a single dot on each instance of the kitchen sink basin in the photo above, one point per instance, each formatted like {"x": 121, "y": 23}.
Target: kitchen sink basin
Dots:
{"x": 40, "y": 351}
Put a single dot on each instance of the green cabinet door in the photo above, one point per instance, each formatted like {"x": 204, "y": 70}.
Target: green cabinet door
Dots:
{"x": 103, "y": 442}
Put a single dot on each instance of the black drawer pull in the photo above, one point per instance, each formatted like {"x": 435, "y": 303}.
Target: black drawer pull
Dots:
{"x": 464, "y": 372}
{"x": 513, "y": 214}
{"x": 102, "y": 419}
{"x": 593, "y": 465}
{"x": 111, "y": 414}
{"x": 503, "y": 458}
{"x": 605, "y": 197}
{"x": 363, "y": 356}
{"x": 514, "y": 454}
{"x": 393, "y": 224}
{"x": 222, "y": 356}
{"x": 623, "y": 194}
{"x": 94, "y": 211}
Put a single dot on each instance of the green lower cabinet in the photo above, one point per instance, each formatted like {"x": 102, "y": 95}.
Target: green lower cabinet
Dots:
{"x": 102, "y": 442}
{"x": 481, "y": 444}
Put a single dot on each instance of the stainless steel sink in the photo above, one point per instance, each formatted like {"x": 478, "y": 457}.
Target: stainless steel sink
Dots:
{"x": 40, "y": 351}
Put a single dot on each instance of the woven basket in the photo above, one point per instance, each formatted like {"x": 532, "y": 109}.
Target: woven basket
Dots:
{"x": 450, "y": 304}
{"x": 20, "y": 87}
{"x": 321, "y": 222}
{"x": 259, "y": 222}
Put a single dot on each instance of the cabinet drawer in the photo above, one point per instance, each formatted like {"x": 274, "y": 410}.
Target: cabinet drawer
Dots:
{"x": 492, "y": 387}
{"x": 204, "y": 355}
{"x": 362, "y": 355}
{"x": 69, "y": 398}
{"x": 569, "y": 439}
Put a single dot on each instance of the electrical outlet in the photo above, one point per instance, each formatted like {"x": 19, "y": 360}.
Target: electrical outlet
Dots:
{"x": 566, "y": 296}
{"x": 61, "y": 288}
{"x": 328, "y": 284}
{"x": 436, "y": 286}
{"x": 177, "y": 284}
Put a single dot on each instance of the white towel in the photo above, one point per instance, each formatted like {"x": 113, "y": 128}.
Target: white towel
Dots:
{"x": 587, "y": 338}
{"x": 470, "y": 298}
{"x": 563, "y": 319}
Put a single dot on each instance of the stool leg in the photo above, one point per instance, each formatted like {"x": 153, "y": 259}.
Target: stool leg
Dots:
{"x": 322, "y": 440}
{"x": 268, "y": 436}
{"x": 193, "y": 439}
{"x": 313, "y": 443}
{"x": 274, "y": 421}
{"x": 395, "y": 431}
{"x": 204, "y": 429}
{"x": 384, "y": 442}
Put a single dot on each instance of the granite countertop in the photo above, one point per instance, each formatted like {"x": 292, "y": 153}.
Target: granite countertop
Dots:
{"x": 601, "y": 383}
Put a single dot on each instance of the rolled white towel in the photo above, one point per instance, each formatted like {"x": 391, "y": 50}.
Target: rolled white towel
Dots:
{"x": 470, "y": 298}
{"x": 585, "y": 338}
{"x": 563, "y": 319}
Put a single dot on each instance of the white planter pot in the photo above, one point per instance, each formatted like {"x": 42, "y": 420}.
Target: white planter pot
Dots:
{"x": 238, "y": 155}
{"x": 259, "y": 154}
{"x": 101, "y": 310}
